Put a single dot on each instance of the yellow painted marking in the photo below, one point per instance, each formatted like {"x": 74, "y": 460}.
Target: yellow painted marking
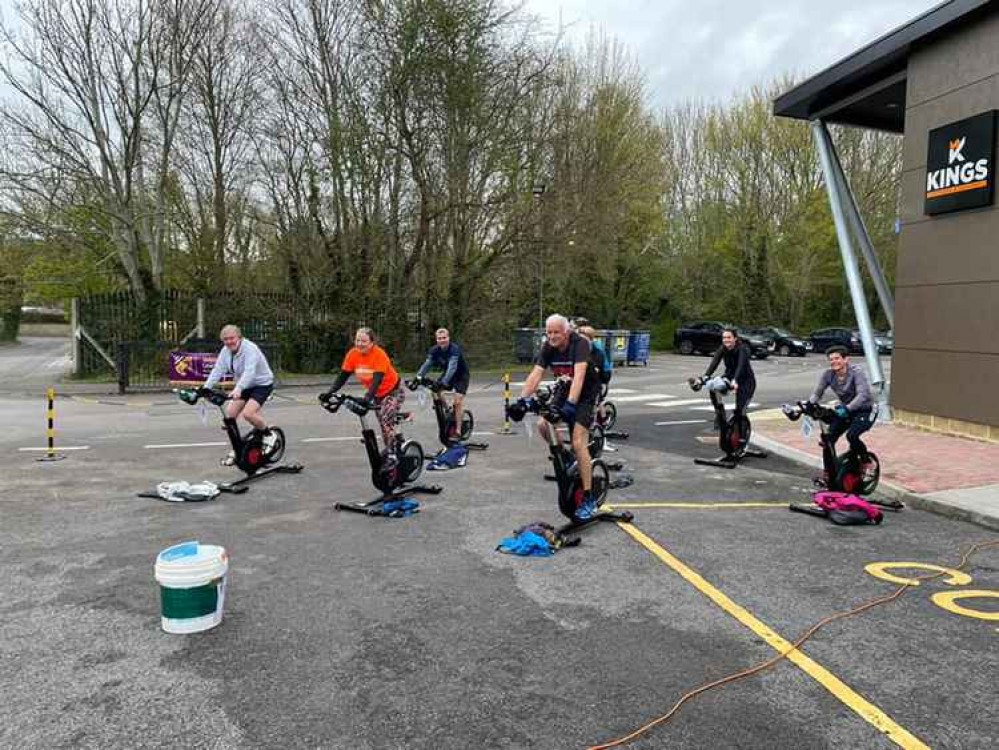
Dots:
{"x": 699, "y": 506}
{"x": 946, "y": 599}
{"x": 849, "y": 697}
{"x": 880, "y": 570}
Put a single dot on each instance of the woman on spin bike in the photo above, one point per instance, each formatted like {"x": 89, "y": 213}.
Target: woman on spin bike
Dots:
{"x": 374, "y": 370}
{"x": 738, "y": 371}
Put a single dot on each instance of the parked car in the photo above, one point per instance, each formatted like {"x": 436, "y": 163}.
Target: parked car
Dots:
{"x": 785, "y": 343}
{"x": 826, "y": 338}
{"x": 885, "y": 341}
{"x": 705, "y": 336}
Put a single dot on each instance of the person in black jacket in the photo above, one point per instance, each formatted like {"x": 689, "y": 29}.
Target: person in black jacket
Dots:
{"x": 738, "y": 370}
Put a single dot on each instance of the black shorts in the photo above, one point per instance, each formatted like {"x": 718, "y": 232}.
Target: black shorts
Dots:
{"x": 584, "y": 414}
{"x": 460, "y": 383}
{"x": 259, "y": 393}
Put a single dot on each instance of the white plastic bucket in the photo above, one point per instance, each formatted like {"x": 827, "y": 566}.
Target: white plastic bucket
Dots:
{"x": 192, "y": 579}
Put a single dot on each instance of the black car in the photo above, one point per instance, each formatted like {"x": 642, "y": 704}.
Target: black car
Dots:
{"x": 786, "y": 343}
{"x": 826, "y": 338}
{"x": 705, "y": 336}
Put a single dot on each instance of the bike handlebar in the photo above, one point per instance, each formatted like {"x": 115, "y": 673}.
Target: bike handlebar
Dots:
{"x": 428, "y": 383}
{"x": 213, "y": 396}
{"x": 332, "y": 402}
{"x": 815, "y": 411}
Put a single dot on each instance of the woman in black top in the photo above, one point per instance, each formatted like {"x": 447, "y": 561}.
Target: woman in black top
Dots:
{"x": 737, "y": 368}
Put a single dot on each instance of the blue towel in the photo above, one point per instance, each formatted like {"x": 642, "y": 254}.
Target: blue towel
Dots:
{"x": 526, "y": 543}
{"x": 400, "y": 508}
{"x": 453, "y": 458}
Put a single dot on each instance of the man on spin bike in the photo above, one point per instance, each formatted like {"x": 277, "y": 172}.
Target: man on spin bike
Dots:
{"x": 738, "y": 371}
{"x": 374, "y": 370}
{"x": 856, "y": 404}
{"x": 243, "y": 359}
{"x": 568, "y": 354}
{"x": 448, "y": 357}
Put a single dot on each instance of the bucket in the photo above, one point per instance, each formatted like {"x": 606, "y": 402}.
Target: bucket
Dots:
{"x": 192, "y": 579}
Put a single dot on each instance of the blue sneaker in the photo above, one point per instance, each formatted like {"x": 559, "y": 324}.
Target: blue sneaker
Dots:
{"x": 587, "y": 509}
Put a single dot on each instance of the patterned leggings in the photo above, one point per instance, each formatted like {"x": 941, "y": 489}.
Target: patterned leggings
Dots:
{"x": 388, "y": 410}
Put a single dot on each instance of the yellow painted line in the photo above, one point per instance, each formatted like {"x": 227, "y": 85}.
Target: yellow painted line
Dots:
{"x": 849, "y": 697}
{"x": 698, "y": 506}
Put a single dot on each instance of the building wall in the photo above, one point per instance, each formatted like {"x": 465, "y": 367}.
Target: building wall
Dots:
{"x": 946, "y": 360}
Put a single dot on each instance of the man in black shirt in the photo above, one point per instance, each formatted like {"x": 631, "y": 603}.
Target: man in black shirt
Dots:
{"x": 567, "y": 354}
{"x": 448, "y": 357}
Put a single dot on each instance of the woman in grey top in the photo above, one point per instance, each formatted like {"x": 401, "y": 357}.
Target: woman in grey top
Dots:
{"x": 243, "y": 359}
{"x": 849, "y": 383}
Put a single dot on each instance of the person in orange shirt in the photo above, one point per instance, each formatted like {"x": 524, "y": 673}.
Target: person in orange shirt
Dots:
{"x": 374, "y": 370}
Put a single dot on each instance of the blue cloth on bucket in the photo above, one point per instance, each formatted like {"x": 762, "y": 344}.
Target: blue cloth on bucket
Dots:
{"x": 400, "y": 508}
{"x": 453, "y": 458}
{"x": 526, "y": 543}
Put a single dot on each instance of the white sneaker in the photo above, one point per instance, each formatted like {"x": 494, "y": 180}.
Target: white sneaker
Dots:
{"x": 270, "y": 439}
{"x": 229, "y": 460}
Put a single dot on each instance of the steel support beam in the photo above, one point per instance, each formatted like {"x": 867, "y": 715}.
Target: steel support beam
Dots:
{"x": 837, "y": 203}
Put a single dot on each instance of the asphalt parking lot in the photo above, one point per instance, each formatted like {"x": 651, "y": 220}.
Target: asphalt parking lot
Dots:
{"x": 343, "y": 631}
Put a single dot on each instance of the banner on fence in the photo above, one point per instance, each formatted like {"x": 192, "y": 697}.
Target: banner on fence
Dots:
{"x": 193, "y": 367}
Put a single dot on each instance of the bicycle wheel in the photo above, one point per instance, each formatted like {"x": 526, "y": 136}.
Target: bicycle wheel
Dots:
{"x": 411, "y": 460}
{"x": 854, "y": 478}
{"x": 739, "y": 433}
{"x": 276, "y": 453}
{"x": 467, "y": 424}
{"x": 610, "y": 415}
{"x": 601, "y": 482}
{"x": 597, "y": 440}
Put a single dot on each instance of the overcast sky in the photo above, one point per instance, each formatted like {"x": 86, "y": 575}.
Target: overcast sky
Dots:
{"x": 714, "y": 49}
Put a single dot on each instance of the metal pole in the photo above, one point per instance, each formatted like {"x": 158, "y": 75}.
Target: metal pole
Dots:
{"x": 823, "y": 143}
{"x": 50, "y": 452}
{"x": 506, "y": 429}
{"x": 864, "y": 239}
{"x": 74, "y": 324}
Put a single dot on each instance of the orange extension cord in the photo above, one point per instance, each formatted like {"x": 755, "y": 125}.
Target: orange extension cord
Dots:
{"x": 797, "y": 644}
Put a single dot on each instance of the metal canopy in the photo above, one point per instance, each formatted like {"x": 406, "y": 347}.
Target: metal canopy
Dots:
{"x": 867, "y": 89}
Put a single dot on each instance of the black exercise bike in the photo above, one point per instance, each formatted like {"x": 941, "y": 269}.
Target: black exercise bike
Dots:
{"x": 733, "y": 431}
{"x": 848, "y": 475}
{"x": 605, "y": 417}
{"x": 570, "y": 486}
{"x": 444, "y": 412}
{"x": 255, "y": 453}
{"x": 392, "y": 470}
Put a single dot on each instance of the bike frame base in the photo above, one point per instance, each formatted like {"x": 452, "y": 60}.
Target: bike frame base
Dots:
{"x": 611, "y": 516}
{"x": 730, "y": 461}
{"x": 240, "y": 485}
{"x": 374, "y": 507}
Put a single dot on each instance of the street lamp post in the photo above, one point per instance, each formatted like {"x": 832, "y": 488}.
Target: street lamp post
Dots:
{"x": 538, "y": 192}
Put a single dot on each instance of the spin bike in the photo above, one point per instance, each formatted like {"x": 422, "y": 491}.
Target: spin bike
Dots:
{"x": 250, "y": 453}
{"x": 391, "y": 475}
{"x": 848, "y": 475}
{"x": 445, "y": 417}
{"x": 606, "y": 416}
{"x": 570, "y": 487}
{"x": 733, "y": 432}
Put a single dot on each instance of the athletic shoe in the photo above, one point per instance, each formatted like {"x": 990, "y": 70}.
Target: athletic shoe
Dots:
{"x": 821, "y": 482}
{"x": 587, "y": 510}
{"x": 229, "y": 460}
{"x": 868, "y": 470}
{"x": 270, "y": 440}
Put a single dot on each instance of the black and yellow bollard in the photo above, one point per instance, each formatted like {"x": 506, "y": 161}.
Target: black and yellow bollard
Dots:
{"x": 506, "y": 429}
{"x": 50, "y": 452}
